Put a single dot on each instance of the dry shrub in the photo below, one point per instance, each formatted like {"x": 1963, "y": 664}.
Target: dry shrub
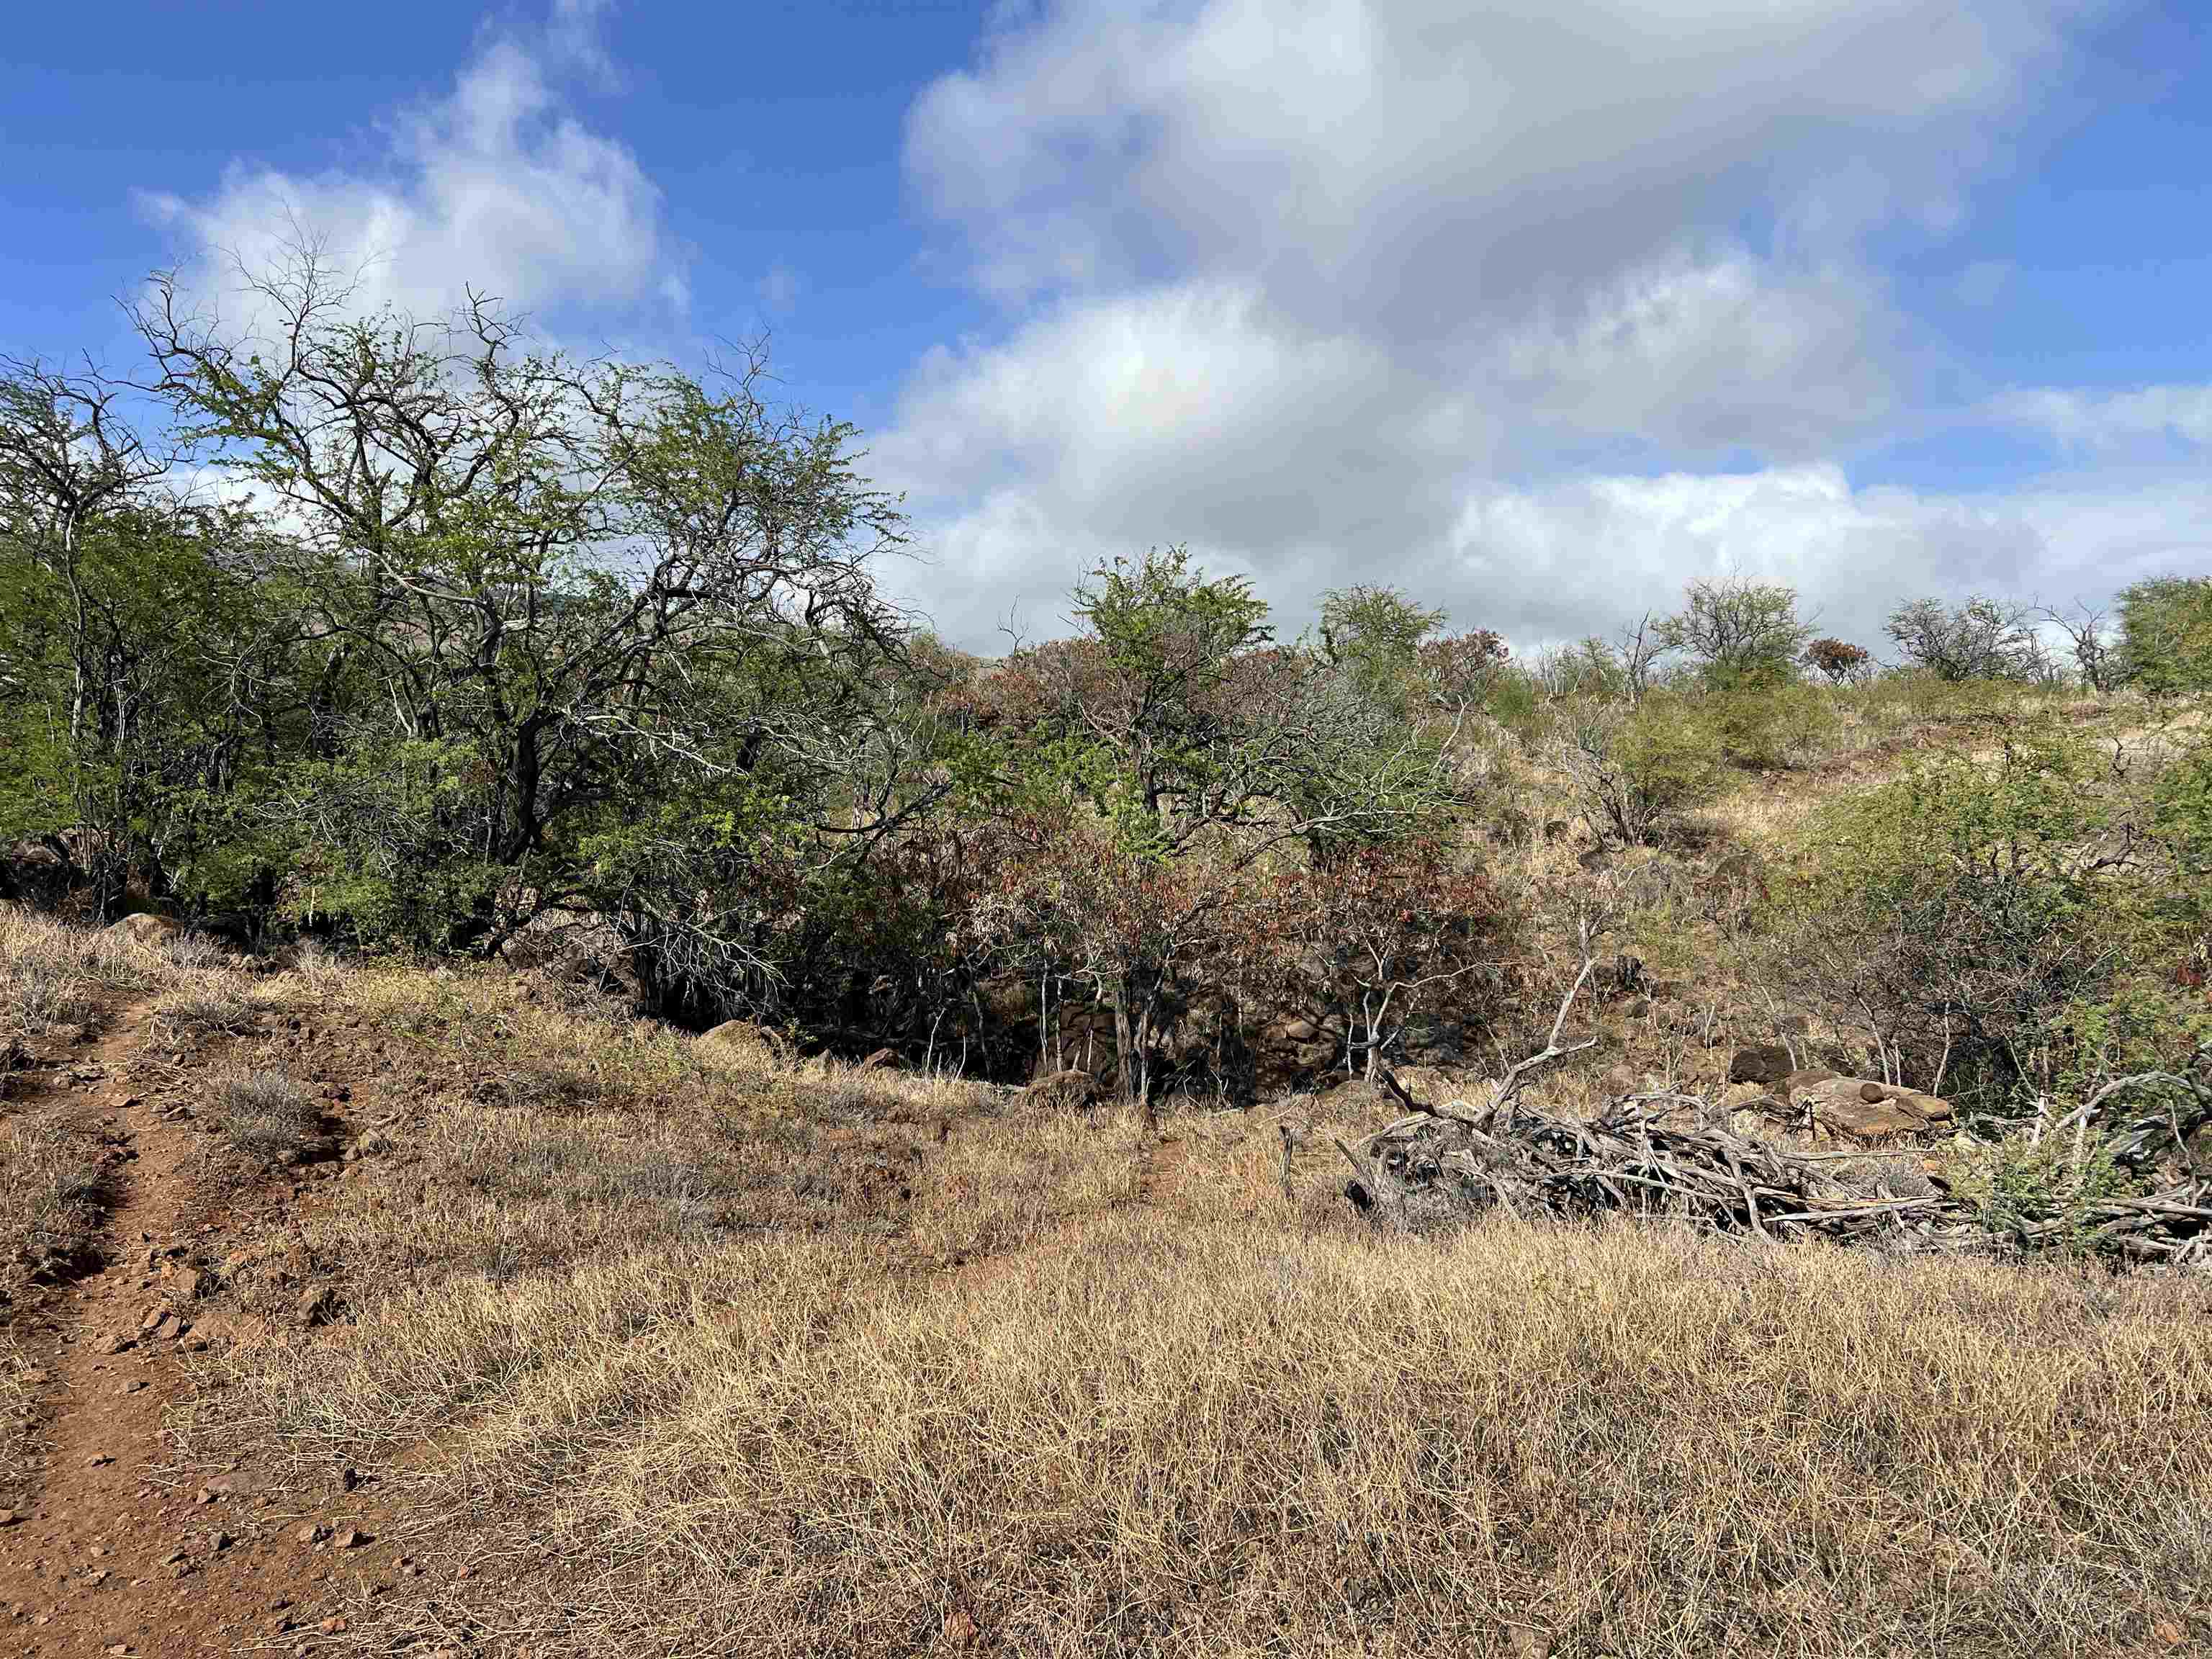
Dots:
{"x": 208, "y": 1006}
{"x": 50, "y": 1201}
{"x": 263, "y": 1113}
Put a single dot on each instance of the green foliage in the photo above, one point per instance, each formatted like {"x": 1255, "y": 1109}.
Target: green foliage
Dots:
{"x": 1783, "y": 724}
{"x": 1742, "y": 633}
{"x": 2041, "y": 1192}
{"x": 2145, "y": 1023}
{"x": 1635, "y": 769}
{"x": 1961, "y": 909}
{"x": 1897, "y": 703}
{"x": 2165, "y": 634}
{"x": 1375, "y": 634}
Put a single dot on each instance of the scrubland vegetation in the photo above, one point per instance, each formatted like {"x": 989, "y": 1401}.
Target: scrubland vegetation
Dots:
{"x": 516, "y": 717}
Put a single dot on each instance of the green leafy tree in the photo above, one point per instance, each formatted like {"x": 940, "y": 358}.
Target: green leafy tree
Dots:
{"x": 1741, "y": 632}
{"x": 147, "y": 660}
{"x": 573, "y": 591}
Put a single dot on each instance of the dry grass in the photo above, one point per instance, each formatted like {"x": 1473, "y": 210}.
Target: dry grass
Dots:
{"x": 19, "y": 1399}
{"x": 50, "y": 1212}
{"x": 50, "y": 1182}
{"x": 263, "y": 1113}
{"x": 53, "y": 975}
{"x": 207, "y": 1005}
{"x": 761, "y": 1362}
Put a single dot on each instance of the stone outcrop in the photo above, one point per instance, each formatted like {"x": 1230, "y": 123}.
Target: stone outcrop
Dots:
{"x": 1858, "y": 1108}
{"x": 147, "y": 928}
{"x": 1762, "y": 1063}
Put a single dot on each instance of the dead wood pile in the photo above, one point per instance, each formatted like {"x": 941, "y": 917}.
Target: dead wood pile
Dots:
{"x": 1442, "y": 1165}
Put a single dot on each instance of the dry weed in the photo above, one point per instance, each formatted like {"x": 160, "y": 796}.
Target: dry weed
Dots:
{"x": 51, "y": 974}
{"x": 19, "y": 1399}
{"x": 867, "y": 1364}
{"x": 50, "y": 1201}
{"x": 263, "y": 1113}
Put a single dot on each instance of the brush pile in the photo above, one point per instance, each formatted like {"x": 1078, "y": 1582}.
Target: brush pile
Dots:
{"x": 1442, "y": 1165}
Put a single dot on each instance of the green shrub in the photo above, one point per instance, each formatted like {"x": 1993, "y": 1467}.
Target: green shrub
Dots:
{"x": 1785, "y": 723}
{"x": 1958, "y": 913}
{"x": 2043, "y": 1193}
{"x": 1635, "y": 769}
{"x": 2165, "y": 634}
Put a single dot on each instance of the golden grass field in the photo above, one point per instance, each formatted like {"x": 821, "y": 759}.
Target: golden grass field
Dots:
{"x": 745, "y": 1357}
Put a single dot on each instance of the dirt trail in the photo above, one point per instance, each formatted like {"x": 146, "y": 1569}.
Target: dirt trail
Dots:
{"x": 107, "y": 1552}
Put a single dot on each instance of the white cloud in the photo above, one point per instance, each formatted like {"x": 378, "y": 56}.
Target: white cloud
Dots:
{"x": 1188, "y": 408}
{"x": 1697, "y": 354}
{"x": 2084, "y": 420}
{"x": 1426, "y": 157}
{"x": 1580, "y": 554}
{"x": 1308, "y": 282}
{"x": 495, "y": 186}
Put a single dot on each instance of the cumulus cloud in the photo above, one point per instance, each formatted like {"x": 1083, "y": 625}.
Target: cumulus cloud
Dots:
{"x": 1416, "y": 156}
{"x": 1477, "y": 299}
{"x": 1696, "y": 355}
{"x": 1552, "y": 562}
{"x": 495, "y": 185}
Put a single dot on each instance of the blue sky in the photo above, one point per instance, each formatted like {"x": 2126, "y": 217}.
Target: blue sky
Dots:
{"x": 1539, "y": 308}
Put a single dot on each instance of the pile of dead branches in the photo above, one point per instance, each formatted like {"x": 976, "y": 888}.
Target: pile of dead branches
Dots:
{"x": 1442, "y": 1165}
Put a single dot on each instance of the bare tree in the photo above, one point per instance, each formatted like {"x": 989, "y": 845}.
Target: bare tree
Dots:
{"x": 1982, "y": 639}
{"x": 1640, "y": 645}
{"x": 2096, "y": 647}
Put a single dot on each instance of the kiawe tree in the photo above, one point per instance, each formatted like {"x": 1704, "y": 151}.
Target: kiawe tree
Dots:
{"x": 1743, "y": 632}
{"x": 1979, "y": 639}
{"x": 146, "y": 662}
{"x": 2165, "y": 634}
{"x": 566, "y": 594}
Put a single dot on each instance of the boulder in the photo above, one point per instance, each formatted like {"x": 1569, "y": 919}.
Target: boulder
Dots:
{"x": 146, "y": 928}
{"x": 882, "y": 1059}
{"x": 1062, "y": 1091}
{"x": 1862, "y": 1110}
{"x": 1762, "y": 1063}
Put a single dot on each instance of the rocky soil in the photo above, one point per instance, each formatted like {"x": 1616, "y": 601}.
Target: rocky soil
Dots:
{"x": 117, "y": 1543}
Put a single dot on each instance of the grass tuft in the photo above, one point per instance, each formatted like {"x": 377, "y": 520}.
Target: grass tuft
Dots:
{"x": 263, "y": 1113}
